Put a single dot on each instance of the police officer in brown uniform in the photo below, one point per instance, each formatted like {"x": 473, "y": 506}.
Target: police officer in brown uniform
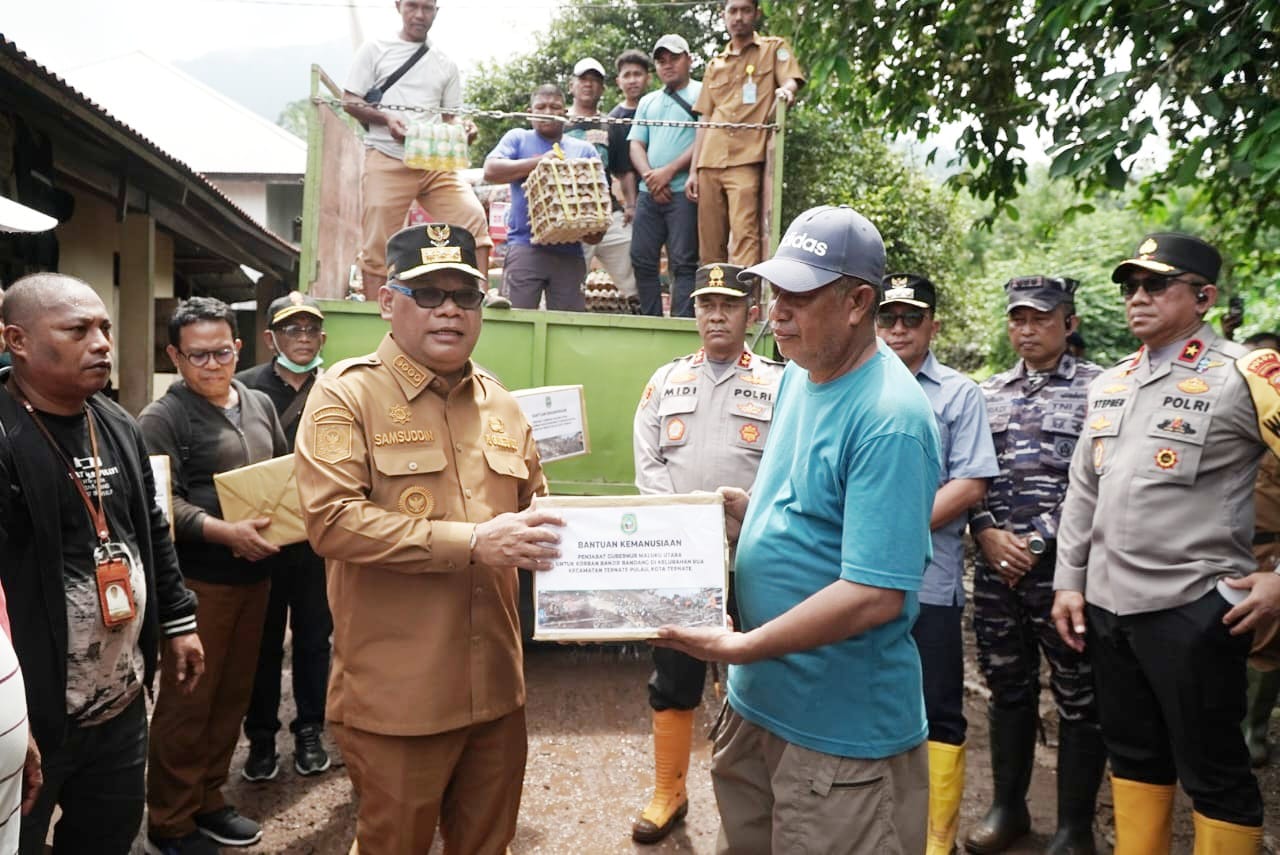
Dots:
{"x": 743, "y": 84}
{"x": 415, "y": 470}
{"x": 1155, "y": 547}
{"x": 702, "y": 423}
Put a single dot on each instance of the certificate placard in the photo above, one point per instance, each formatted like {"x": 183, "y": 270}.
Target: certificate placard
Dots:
{"x": 630, "y": 564}
{"x": 558, "y": 416}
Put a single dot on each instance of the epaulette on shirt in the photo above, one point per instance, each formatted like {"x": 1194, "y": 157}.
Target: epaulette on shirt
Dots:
{"x": 485, "y": 374}
{"x": 343, "y": 365}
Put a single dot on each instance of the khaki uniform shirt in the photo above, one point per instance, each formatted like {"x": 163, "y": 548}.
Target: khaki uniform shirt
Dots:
{"x": 767, "y": 63}
{"x": 1160, "y": 503}
{"x": 394, "y": 472}
{"x": 696, "y": 431}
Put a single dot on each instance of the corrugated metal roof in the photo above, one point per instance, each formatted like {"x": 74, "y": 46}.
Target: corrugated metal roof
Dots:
{"x": 31, "y": 66}
{"x": 214, "y": 134}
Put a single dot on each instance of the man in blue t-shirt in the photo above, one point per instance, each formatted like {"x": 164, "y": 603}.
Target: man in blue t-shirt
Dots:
{"x": 822, "y": 746}
{"x": 530, "y": 269}
{"x": 661, "y": 156}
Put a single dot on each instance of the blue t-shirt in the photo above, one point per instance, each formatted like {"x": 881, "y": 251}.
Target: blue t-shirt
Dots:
{"x": 967, "y": 452}
{"x": 844, "y": 491}
{"x": 662, "y": 144}
{"x": 517, "y": 144}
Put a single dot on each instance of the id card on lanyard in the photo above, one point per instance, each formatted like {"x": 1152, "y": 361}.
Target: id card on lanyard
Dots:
{"x": 113, "y": 561}
{"x": 749, "y": 88}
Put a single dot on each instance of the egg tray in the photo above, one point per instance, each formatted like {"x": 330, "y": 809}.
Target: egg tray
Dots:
{"x": 568, "y": 200}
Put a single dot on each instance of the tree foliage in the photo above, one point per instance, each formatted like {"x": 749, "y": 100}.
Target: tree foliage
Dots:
{"x": 1100, "y": 79}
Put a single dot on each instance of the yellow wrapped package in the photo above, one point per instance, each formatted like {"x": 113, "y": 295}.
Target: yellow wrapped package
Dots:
{"x": 266, "y": 489}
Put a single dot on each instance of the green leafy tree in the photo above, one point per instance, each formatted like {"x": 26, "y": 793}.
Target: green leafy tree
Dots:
{"x": 1100, "y": 79}
{"x": 293, "y": 118}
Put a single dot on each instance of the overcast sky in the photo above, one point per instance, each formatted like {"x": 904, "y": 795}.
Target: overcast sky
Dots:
{"x": 67, "y": 33}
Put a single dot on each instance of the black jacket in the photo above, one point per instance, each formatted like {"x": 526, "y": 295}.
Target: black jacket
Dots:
{"x": 31, "y": 557}
{"x": 200, "y": 441}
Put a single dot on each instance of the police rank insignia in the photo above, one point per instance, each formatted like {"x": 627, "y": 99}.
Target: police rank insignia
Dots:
{"x": 399, "y": 414}
{"x": 1115, "y": 389}
{"x": 1191, "y": 351}
{"x": 754, "y": 380}
{"x": 1100, "y": 423}
{"x": 749, "y": 433}
{"x": 687, "y": 377}
{"x": 675, "y": 430}
{"x": 1166, "y": 458}
{"x": 1177, "y": 424}
{"x": 744, "y": 361}
{"x": 1194, "y": 386}
{"x": 750, "y": 409}
{"x": 416, "y": 502}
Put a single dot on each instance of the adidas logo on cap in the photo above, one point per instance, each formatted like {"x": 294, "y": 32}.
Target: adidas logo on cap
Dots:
{"x": 803, "y": 242}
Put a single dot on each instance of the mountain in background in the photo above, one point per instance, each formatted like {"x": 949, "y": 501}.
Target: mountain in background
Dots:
{"x": 267, "y": 79}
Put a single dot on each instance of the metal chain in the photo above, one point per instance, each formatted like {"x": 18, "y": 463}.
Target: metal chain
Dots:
{"x": 476, "y": 112}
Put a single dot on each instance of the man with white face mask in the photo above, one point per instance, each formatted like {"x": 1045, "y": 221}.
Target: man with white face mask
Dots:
{"x": 295, "y": 335}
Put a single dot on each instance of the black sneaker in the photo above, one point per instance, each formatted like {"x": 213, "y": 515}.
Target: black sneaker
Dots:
{"x": 262, "y": 763}
{"x": 229, "y": 828}
{"x": 194, "y": 843}
{"x": 309, "y": 756}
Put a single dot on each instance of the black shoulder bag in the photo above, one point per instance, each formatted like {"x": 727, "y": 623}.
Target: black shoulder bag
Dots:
{"x": 374, "y": 96}
{"x": 675, "y": 96}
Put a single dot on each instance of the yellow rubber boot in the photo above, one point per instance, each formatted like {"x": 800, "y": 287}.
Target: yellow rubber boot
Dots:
{"x": 1215, "y": 837}
{"x": 672, "y": 737}
{"x": 1144, "y": 817}
{"x": 946, "y": 786}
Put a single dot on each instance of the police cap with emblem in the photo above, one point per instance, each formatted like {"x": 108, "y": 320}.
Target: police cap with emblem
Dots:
{"x": 418, "y": 250}
{"x": 1042, "y": 293}
{"x": 909, "y": 288}
{"x": 1171, "y": 253}
{"x": 290, "y": 306}
{"x": 720, "y": 278}
{"x": 820, "y": 246}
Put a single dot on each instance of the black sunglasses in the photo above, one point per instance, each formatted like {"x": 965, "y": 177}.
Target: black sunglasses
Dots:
{"x": 911, "y": 320}
{"x": 1151, "y": 284}
{"x": 431, "y": 297}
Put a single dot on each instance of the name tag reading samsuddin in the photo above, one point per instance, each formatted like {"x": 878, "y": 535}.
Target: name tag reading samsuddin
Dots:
{"x": 631, "y": 564}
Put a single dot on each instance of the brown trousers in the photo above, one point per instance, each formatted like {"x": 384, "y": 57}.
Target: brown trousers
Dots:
{"x": 775, "y": 796}
{"x": 193, "y": 736}
{"x": 389, "y": 187}
{"x": 469, "y": 780}
{"x": 729, "y": 207}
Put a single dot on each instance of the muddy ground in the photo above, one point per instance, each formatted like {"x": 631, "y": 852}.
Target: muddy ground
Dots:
{"x": 589, "y": 771}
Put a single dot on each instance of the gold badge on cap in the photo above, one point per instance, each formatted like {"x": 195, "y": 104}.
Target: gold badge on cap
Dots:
{"x": 438, "y": 233}
{"x": 399, "y": 414}
{"x": 1194, "y": 386}
{"x": 416, "y": 502}
{"x": 1166, "y": 458}
{"x": 1148, "y": 246}
{"x": 441, "y": 254}
{"x": 715, "y": 275}
{"x": 899, "y": 281}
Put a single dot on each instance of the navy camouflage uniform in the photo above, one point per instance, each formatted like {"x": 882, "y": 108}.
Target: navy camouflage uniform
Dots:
{"x": 1036, "y": 420}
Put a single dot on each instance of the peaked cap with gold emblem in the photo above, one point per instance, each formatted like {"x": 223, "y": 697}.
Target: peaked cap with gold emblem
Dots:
{"x": 1171, "y": 253}
{"x": 909, "y": 288}
{"x": 418, "y": 250}
{"x": 720, "y": 278}
{"x": 293, "y": 303}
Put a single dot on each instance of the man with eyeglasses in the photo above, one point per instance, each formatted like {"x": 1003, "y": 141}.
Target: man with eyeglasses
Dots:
{"x": 1155, "y": 579}
{"x": 907, "y": 322}
{"x": 1036, "y": 411}
{"x": 209, "y": 422}
{"x": 415, "y": 472}
{"x": 702, "y": 423}
{"x": 294, "y": 337}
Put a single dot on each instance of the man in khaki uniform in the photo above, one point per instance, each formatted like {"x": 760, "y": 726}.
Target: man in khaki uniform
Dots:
{"x": 701, "y": 424}
{"x": 414, "y": 468}
{"x": 742, "y": 84}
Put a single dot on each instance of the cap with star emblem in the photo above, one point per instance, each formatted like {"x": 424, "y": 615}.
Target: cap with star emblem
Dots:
{"x": 909, "y": 288}
{"x": 1042, "y": 293}
{"x": 290, "y": 305}
{"x": 418, "y": 250}
{"x": 1171, "y": 253}
{"x": 721, "y": 278}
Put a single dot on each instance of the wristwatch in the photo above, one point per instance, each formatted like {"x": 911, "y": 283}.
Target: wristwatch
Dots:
{"x": 1036, "y": 544}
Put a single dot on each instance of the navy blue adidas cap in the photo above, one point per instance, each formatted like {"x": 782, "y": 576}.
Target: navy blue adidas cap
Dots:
{"x": 820, "y": 246}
